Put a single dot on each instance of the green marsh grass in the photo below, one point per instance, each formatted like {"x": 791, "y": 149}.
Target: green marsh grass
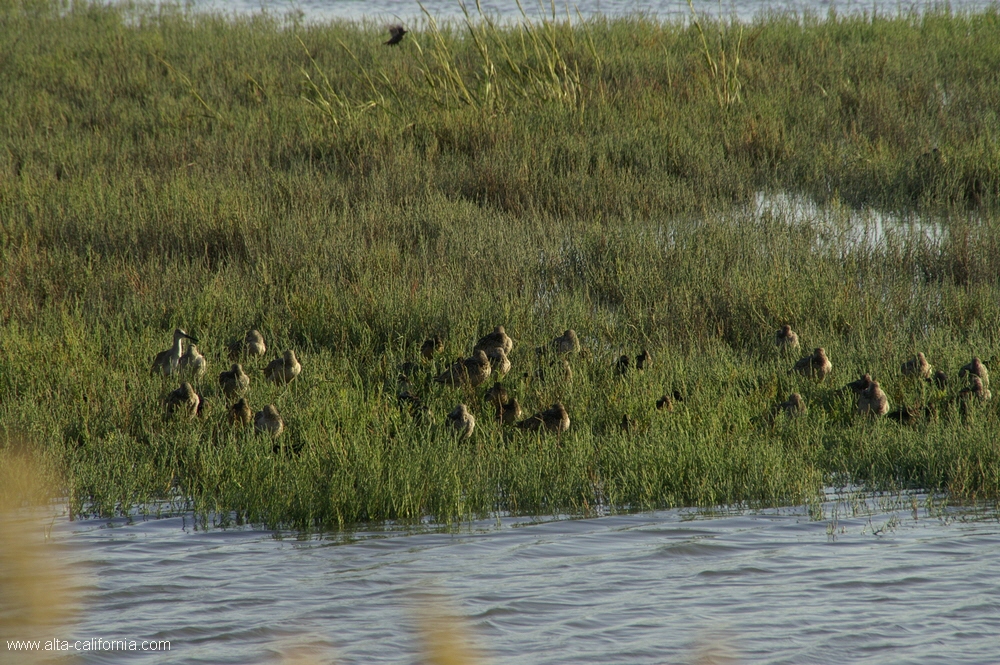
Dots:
{"x": 161, "y": 169}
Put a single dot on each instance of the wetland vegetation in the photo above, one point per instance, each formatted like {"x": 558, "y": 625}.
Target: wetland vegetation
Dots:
{"x": 350, "y": 200}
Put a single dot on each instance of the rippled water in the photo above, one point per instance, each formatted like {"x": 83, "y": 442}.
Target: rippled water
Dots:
{"x": 385, "y": 10}
{"x": 872, "y": 581}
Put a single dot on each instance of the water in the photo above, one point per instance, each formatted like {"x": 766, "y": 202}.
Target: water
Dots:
{"x": 393, "y": 10}
{"x": 876, "y": 580}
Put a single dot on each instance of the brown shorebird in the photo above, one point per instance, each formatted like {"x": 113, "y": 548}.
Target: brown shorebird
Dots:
{"x": 568, "y": 342}
{"x": 644, "y": 360}
{"x": 553, "y": 419}
{"x": 234, "y": 382}
{"x": 252, "y": 346}
{"x": 872, "y": 401}
{"x": 627, "y": 423}
{"x": 665, "y": 403}
{"x": 192, "y": 363}
{"x": 976, "y": 368}
{"x": 859, "y": 386}
{"x": 183, "y": 401}
{"x": 478, "y": 368}
{"x": 940, "y": 379}
{"x": 268, "y": 421}
{"x": 905, "y": 415}
{"x": 431, "y": 346}
{"x": 456, "y": 375}
{"x": 166, "y": 362}
{"x": 496, "y": 339}
{"x": 622, "y": 366}
{"x": 816, "y": 365}
{"x": 917, "y": 366}
{"x": 239, "y": 414}
{"x": 498, "y": 360}
{"x": 466, "y": 371}
{"x": 496, "y": 394}
{"x": 509, "y": 412}
{"x": 786, "y": 339}
{"x": 795, "y": 406}
{"x": 462, "y": 421}
{"x": 977, "y": 390}
{"x": 282, "y": 370}
{"x": 396, "y": 33}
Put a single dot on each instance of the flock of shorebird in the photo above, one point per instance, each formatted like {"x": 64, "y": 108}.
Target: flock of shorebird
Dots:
{"x": 234, "y": 382}
{"x": 490, "y": 358}
{"x": 872, "y": 400}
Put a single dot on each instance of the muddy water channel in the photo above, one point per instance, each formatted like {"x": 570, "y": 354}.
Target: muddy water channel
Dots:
{"x": 857, "y": 579}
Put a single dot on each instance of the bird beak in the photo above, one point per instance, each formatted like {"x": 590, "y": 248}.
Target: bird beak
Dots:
{"x": 193, "y": 339}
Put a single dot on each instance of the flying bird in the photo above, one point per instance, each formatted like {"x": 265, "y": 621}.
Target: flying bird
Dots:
{"x": 396, "y": 33}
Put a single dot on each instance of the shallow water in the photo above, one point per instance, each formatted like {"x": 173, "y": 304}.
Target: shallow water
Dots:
{"x": 391, "y": 10}
{"x": 872, "y": 581}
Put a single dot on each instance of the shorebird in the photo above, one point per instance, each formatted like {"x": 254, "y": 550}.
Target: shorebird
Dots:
{"x": 905, "y": 415}
{"x": 183, "y": 400}
{"x": 627, "y": 424}
{"x": 496, "y": 394}
{"x": 499, "y": 362}
{"x": 872, "y": 401}
{"x": 568, "y": 342}
{"x": 251, "y": 346}
{"x": 622, "y": 366}
{"x": 976, "y": 368}
{"x": 940, "y": 379}
{"x": 977, "y": 389}
{"x": 396, "y": 33}
{"x": 478, "y": 368}
{"x": 815, "y": 365}
{"x": 431, "y": 346}
{"x": 166, "y": 362}
{"x": 282, "y": 370}
{"x": 234, "y": 382}
{"x": 462, "y": 421}
{"x": 859, "y": 386}
{"x": 643, "y": 360}
{"x": 239, "y": 414}
{"x": 665, "y": 403}
{"x": 267, "y": 420}
{"x": 917, "y": 366}
{"x": 192, "y": 363}
{"x": 455, "y": 375}
{"x": 497, "y": 338}
{"x": 786, "y": 339}
{"x": 509, "y": 412}
{"x": 794, "y": 406}
{"x": 553, "y": 419}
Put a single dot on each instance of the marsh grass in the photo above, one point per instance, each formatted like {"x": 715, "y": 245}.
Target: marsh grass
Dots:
{"x": 162, "y": 169}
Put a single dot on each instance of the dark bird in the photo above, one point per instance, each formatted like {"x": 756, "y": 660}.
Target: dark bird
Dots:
{"x": 859, "y": 386}
{"x": 622, "y": 366}
{"x": 568, "y": 342}
{"x": 873, "y": 401}
{"x": 786, "y": 339}
{"x": 553, "y": 419}
{"x": 183, "y": 400}
{"x": 462, "y": 421}
{"x": 977, "y": 389}
{"x": 508, "y": 413}
{"x": 917, "y": 366}
{"x": 643, "y": 360}
{"x": 665, "y": 403}
{"x": 234, "y": 382}
{"x": 239, "y": 414}
{"x": 396, "y": 33}
{"x": 976, "y": 368}
{"x": 496, "y": 339}
{"x": 795, "y": 406}
{"x": 816, "y": 365}
{"x": 940, "y": 379}
{"x": 431, "y": 346}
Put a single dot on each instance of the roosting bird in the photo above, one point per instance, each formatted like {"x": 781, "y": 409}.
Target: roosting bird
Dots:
{"x": 553, "y": 419}
{"x": 462, "y": 421}
{"x": 786, "y": 339}
{"x": 166, "y": 362}
{"x": 282, "y": 370}
{"x": 816, "y": 365}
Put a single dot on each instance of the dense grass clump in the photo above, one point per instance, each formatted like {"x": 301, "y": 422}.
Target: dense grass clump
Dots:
{"x": 349, "y": 200}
